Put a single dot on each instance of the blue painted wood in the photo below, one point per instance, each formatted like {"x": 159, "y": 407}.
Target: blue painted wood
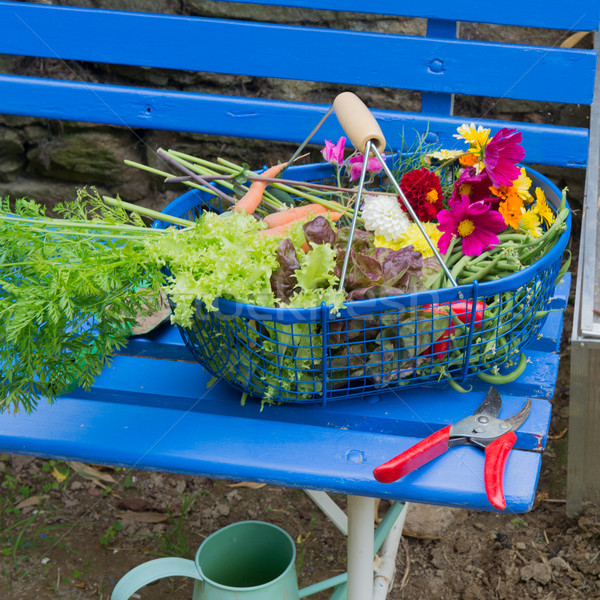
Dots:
{"x": 214, "y": 436}
{"x": 576, "y": 16}
{"x": 379, "y": 60}
{"x": 256, "y": 118}
{"x": 403, "y": 412}
{"x": 436, "y": 102}
{"x": 196, "y": 443}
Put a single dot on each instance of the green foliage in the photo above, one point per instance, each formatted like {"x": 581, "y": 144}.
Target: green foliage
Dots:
{"x": 175, "y": 542}
{"x": 317, "y": 280}
{"x": 70, "y": 290}
{"x": 411, "y": 156}
{"x": 110, "y": 533}
{"x": 221, "y": 257}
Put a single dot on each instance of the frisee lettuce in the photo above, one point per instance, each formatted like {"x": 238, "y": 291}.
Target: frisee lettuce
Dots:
{"x": 220, "y": 257}
{"x": 227, "y": 257}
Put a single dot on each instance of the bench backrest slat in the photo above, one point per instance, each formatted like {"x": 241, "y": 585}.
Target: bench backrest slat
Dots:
{"x": 373, "y": 59}
{"x": 438, "y": 64}
{"x": 256, "y": 118}
{"x": 582, "y": 15}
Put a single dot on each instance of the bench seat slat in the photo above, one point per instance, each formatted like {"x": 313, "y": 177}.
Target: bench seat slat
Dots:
{"x": 576, "y": 16}
{"x": 404, "y": 412}
{"x": 305, "y": 53}
{"x": 217, "y": 446}
{"x": 254, "y": 117}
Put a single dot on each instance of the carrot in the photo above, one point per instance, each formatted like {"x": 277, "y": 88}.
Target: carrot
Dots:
{"x": 250, "y": 201}
{"x": 297, "y": 214}
{"x": 283, "y": 228}
{"x": 279, "y": 230}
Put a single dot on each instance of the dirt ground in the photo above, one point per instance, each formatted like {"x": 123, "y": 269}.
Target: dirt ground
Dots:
{"x": 70, "y": 531}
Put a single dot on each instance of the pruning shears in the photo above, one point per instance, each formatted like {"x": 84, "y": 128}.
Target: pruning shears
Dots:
{"x": 482, "y": 429}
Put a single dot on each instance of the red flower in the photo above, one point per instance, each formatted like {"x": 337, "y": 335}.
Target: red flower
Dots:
{"x": 423, "y": 191}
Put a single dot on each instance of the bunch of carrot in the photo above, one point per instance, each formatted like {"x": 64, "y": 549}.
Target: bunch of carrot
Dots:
{"x": 279, "y": 223}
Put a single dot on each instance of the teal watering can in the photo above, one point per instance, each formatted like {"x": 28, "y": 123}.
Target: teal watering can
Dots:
{"x": 249, "y": 560}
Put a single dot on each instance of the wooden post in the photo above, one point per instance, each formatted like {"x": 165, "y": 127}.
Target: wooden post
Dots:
{"x": 583, "y": 476}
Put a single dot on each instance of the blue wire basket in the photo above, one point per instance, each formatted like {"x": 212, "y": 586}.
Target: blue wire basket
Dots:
{"x": 376, "y": 345}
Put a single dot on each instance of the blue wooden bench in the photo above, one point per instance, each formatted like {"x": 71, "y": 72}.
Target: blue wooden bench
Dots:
{"x": 156, "y": 409}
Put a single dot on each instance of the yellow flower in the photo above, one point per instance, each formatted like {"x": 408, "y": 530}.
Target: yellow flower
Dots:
{"x": 521, "y": 186}
{"x": 412, "y": 236}
{"x": 477, "y": 138}
{"x": 542, "y": 208}
{"x": 531, "y": 223}
{"x": 446, "y": 154}
{"x": 381, "y": 242}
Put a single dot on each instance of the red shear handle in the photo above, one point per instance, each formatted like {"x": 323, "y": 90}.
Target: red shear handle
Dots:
{"x": 413, "y": 458}
{"x": 495, "y": 461}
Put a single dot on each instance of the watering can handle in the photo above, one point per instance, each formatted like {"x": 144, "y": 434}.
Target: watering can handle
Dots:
{"x": 357, "y": 121}
{"x": 153, "y": 570}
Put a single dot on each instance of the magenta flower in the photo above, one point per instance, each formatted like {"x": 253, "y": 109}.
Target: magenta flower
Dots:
{"x": 501, "y": 155}
{"x": 469, "y": 183}
{"x": 474, "y": 222}
{"x": 334, "y": 153}
{"x": 356, "y": 164}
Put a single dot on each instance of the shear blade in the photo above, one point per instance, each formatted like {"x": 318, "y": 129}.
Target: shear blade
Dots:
{"x": 491, "y": 404}
{"x": 517, "y": 420}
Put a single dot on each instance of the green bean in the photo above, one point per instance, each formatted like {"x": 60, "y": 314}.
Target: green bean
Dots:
{"x": 456, "y": 386}
{"x": 483, "y": 256}
{"x": 513, "y": 237}
{"x": 563, "y": 269}
{"x": 459, "y": 266}
{"x": 563, "y": 200}
{"x": 509, "y": 377}
{"x": 501, "y": 265}
{"x": 540, "y": 314}
{"x": 481, "y": 273}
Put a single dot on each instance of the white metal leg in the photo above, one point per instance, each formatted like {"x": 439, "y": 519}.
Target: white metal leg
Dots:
{"x": 331, "y": 510}
{"x": 366, "y": 579}
{"x": 385, "y": 563}
{"x": 361, "y": 546}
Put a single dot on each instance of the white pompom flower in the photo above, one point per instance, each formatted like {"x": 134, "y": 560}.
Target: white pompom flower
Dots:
{"x": 384, "y": 217}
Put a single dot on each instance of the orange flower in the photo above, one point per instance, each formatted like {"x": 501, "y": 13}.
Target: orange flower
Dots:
{"x": 502, "y": 191}
{"x": 512, "y": 210}
{"x": 468, "y": 160}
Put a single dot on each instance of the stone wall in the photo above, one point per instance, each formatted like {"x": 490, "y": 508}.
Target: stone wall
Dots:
{"x": 47, "y": 160}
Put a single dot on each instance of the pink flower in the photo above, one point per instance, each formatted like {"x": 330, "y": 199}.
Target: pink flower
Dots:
{"x": 501, "y": 155}
{"x": 474, "y": 222}
{"x": 469, "y": 183}
{"x": 334, "y": 153}
{"x": 356, "y": 163}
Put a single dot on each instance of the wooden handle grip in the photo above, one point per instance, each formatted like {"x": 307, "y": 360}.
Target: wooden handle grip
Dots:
{"x": 357, "y": 121}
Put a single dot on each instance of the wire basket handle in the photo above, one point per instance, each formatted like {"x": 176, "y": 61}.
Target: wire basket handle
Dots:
{"x": 366, "y": 136}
